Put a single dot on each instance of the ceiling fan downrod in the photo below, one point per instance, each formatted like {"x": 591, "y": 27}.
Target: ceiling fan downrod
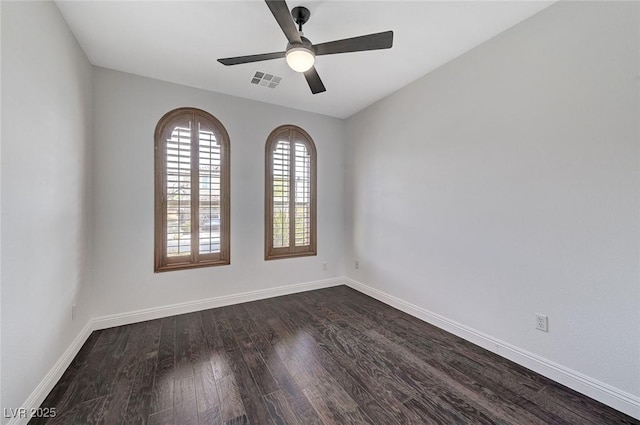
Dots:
{"x": 300, "y": 15}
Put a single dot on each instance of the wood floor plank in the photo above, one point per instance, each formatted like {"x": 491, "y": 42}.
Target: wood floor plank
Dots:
{"x": 92, "y": 411}
{"x": 259, "y": 317}
{"x": 329, "y": 401}
{"x": 303, "y": 368}
{"x": 108, "y": 336}
{"x": 184, "y": 403}
{"x": 151, "y": 342}
{"x": 258, "y": 368}
{"x": 106, "y": 377}
{"x": 240, "y": 420}
{"x": 85, "y": 386}
{"x": 163, "y": 381}
{"x": 231, "y": 406}
{"x": 210, "y": 330}
{"x": 198, "y": 350}
{"x": 215, "y": 344}
{"x": 331, "y": 356}
{"x": 584, "y": 407}
{"x": 357, "y": 379}
{"x": 254, "y": 405}
{"x": 352, "y": 357}
{"x": 65, "y": 417}
{"x": 209, "y": 406}
{"x": 164, "y": 417}
{"x": 433, "y": 412}
{"x": 225, "y": 330}
{"x": 287, "y": 385}
{"x": 139, "y": 404}
{"x": 87, "y": 412}
{"x": 68, "y": 378}
{"x": 118, "y": 399}
{"x": 317, "y": 373}
{"x": 183, "y": 365}
{"x": 240, "y": 313}
{"x": 280, "y": 410}
{"x": 205, "y": 383}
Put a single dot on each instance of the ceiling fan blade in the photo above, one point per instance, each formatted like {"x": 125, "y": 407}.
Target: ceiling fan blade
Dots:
{"x": 315, "y": 83}
{"x": 381, "y": 40}
{"x": 281, "y": 12}
{"x": 251, "y": 58}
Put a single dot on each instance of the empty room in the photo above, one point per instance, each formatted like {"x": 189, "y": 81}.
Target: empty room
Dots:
{"x": 320, "y": 212}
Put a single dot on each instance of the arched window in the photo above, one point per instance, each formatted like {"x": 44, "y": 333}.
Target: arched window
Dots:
{"x": 290, "y": 194}
{"x": 191, "y": 191}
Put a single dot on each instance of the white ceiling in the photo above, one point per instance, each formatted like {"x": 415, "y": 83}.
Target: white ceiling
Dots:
{"x": 179, "y": 41}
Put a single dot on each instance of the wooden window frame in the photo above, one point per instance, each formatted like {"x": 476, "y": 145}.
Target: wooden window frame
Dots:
{"x": 165, "y": 126}
{"x": 291, "y": 251}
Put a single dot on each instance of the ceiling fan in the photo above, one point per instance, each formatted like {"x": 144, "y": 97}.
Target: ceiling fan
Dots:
{"x": 300, "y": 52}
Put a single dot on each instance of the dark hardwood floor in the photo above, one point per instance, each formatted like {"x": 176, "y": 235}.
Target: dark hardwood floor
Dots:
{"x": 332, "y": 356}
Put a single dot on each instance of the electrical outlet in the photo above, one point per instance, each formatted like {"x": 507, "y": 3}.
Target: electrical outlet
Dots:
{"x": 74, "y": 311}
{"x": 542, "y": 323}
{"x": 324, "y": 265}
{"x": 357, "y": 264}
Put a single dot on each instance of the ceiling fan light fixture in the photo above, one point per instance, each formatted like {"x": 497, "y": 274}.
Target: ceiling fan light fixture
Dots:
{"x": 300, "y": 53}
{"x": 300, "y": 59}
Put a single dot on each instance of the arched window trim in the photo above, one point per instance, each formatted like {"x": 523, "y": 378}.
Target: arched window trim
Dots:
{"x": 165, "y": 126}
{"x": 272, "y": 253}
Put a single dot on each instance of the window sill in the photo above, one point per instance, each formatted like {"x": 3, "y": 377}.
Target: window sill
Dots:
{"x": 172, "y": 267}
{"x": 269, "y": 257}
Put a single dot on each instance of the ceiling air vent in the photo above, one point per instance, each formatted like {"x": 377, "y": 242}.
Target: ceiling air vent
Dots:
{"x": 266, "y": 80}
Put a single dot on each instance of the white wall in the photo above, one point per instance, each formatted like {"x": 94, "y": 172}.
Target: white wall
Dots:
{"x": 507, "y": 183}
{"x": 127, "y": 109}
{"x": 46, "y": 133}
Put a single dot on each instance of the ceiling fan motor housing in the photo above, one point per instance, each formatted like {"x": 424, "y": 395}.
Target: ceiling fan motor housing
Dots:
{"x": 306, "y": 44}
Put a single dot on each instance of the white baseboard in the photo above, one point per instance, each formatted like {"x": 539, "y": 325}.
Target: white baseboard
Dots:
{"x": 191, "y": 306}
{"x": 604, "y": 393}
{"x": 46, "y": 385}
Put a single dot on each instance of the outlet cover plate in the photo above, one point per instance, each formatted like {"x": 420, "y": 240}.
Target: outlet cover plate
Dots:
{"x": 542, "y": 322}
